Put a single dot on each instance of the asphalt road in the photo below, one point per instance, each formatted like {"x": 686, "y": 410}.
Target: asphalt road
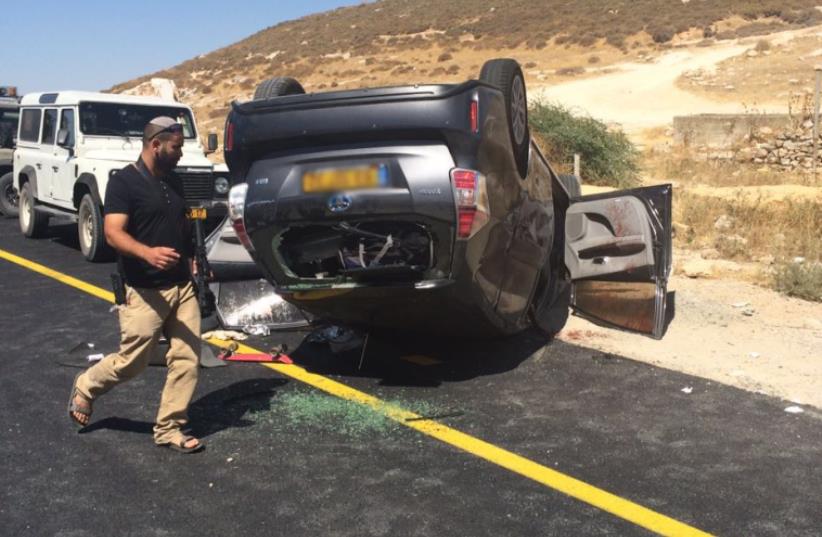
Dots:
{"x": 285, "y": 458}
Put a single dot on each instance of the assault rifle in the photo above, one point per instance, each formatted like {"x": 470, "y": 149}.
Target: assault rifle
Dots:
{"x": 205, "y": 298}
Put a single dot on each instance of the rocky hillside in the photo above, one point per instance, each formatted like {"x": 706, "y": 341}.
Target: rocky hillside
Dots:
{"x": 402, "y": 41}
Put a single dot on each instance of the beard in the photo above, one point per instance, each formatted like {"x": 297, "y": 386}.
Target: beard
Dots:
{"x": 166, "y": 161}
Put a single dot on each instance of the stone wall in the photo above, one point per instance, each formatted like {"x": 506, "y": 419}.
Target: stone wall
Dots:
{"x": 724, "y": 131}
{"x": 777, "y": 141}
{"x": 789, "y": 149}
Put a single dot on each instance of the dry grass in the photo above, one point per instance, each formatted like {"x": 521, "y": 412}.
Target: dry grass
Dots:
{"x": 800, "y": 279}
{"x": 745, "y": 213}
{"x": 685, "y": 170}
{"x": 747, "y": 229}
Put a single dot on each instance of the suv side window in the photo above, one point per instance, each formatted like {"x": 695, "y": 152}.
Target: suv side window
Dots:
{"x": 30, "y": 125}
{"x": 49, "y": 126}
{"x": 67, "y": 124}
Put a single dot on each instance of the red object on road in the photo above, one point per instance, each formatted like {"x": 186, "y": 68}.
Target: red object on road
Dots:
{"x": 262, "y": 357}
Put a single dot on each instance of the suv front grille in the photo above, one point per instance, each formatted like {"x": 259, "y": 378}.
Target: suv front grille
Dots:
{"x": 197, "y": 186}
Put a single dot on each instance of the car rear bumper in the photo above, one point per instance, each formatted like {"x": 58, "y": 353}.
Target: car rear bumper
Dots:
{"x": 433, "y": 306}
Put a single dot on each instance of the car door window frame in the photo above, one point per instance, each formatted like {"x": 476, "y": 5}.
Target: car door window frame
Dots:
{"x": 29, "y": 135}
{"x": 53, "y": 136}
{"x": 72, "y": 131}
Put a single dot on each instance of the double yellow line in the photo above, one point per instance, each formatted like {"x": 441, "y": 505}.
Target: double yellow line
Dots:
{"x": 617, "y": 506}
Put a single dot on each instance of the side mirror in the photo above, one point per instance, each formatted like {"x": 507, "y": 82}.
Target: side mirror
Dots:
{"x": 62, "y": 137}
{"x": 212, "y": 142}
{"x": 63, "y": 141}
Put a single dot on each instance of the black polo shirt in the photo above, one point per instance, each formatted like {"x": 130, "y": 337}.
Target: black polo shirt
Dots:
{"x": 156, "y": 213}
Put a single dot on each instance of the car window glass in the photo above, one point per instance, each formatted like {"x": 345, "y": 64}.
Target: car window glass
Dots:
{"x": 49, "y": 126}
{"x": 67, "y": 124}
{"x": 8, "y": 127}
{"x": 30, "y": 125}
{"x": 128, "y": 120}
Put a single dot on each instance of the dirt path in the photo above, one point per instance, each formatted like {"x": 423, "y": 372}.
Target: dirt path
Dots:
{"x": 730, "y": 331}
{"x": 643, "y": 95}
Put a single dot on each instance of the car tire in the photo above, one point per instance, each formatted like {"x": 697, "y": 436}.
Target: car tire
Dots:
{"x": 506, "y": 74}
{"x": 552, "y": 305}
{"x": 8, "y": 196}
{"x": 277, "y": 87}
{"x": 90, "y": 231}
{"x": 33, "y": 223}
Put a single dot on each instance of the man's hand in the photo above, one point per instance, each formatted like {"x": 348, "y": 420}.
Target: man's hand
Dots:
{"x": 162, "y": 257}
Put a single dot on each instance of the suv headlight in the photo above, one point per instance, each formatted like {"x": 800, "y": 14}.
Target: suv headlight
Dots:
{"x": 221, "y": 185}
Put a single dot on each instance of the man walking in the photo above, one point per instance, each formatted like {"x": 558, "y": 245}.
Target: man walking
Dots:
{"x": 146, "y": 223}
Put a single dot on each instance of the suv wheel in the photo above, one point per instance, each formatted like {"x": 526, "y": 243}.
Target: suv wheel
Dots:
{"x": 8, "y": 196}
{"x": 33, "y": 223}
{"x": 277, "y": 87}
{"x": 552, "y": 302}
{"x": 506, "y": 74}
{"x": 90, "y": 229}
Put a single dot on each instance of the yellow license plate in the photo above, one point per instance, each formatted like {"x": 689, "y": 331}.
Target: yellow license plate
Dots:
{"x": 343, "y": 179}
{"x": 197, "y": 213}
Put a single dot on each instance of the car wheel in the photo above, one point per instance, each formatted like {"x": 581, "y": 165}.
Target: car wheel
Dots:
{"x": 8, "y": 196}
{"x": 90, "y": 229}
{"x": 277, "y": 87}
{"x": 552, "y": 302}
{"x": 506, "y": 75}
{"x": 33, "y": 223}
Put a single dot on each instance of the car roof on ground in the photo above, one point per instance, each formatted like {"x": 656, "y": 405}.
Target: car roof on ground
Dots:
{"x": 67, "y": 98}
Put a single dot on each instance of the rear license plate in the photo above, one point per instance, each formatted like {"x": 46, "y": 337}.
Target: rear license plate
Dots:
{"x": 334, "y": 179}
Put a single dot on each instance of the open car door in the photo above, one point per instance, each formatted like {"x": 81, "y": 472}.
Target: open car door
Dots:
{"x": 618, "y": 251}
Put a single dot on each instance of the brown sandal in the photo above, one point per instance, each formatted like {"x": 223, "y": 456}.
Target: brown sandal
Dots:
{"x": 73, "y": 406}
{"x": 180, "y": 445}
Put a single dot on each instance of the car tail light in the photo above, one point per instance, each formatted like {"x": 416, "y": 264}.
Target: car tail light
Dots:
{"x": 229, "y": 136}
{"x": 471, "y": 198}
{"x": 236, "y": 213}
{"x": 473, "y": 113}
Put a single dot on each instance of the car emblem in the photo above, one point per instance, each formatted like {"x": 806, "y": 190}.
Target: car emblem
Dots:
{"x": 339, "y": 203}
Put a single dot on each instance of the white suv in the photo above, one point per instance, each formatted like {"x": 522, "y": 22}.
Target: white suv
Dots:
{"x": 70, "y": 143}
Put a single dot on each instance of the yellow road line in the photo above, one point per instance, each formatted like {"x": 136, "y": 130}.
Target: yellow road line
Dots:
{"x": 616, "y": 505}
{"x": 59, "y": 276}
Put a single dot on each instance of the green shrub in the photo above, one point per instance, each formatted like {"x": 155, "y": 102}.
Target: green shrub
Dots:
{"x": 608, "y": 157}
{"x": 663, "y": 35}
{"x": 802, "y": 280}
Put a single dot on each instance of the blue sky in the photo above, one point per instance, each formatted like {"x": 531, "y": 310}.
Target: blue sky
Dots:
{"x": 92, "y": 45}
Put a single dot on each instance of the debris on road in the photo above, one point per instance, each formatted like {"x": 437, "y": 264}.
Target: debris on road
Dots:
{"x": 339, "y": 338}
{"x": 277, "y": 355}
{"x": 95, "y": 357}
{"x": 687, "y": 389}
{"x": 794, "y": 410}
{"x": 82, "y": 346}
{"x": 257, "y": 330}
{"x": 225, "y": 335}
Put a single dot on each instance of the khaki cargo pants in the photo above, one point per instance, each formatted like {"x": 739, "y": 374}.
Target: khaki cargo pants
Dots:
{"x": 148, "y": 314}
